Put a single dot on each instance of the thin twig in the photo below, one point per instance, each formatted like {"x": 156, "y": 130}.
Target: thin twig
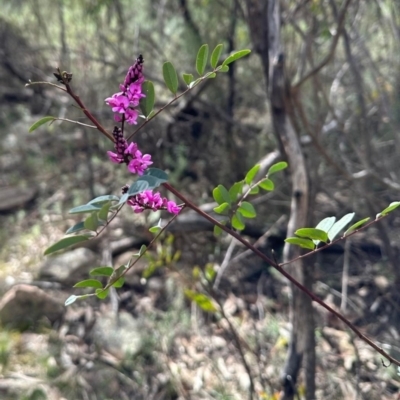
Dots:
{"x": 75, "y": 122}
{"x": 331, "y": 53}
{"x": 177, "y": 97}
{"x": 345, "y": 275}
{"x": 239, "y": 346}
{"x": 46, "y": 83}
{"x": 225, "y": 263}
{"x": 87, "y": 112}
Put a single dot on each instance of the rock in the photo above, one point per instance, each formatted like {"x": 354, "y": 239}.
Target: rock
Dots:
{"x": 13, "y": 198}
{"x": 69, "y": 268}
{"x": 119, "y": 335}
{"x": 24, "y": 305}
{"x": 19, "y": 386}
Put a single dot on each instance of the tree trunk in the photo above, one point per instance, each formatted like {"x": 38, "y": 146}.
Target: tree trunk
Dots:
{"x": 302, "y": 342}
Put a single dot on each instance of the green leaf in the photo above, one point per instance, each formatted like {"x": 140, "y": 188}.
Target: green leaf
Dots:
{"x": 71, "y": 299}
{"x": 235, "y": 190}
{"x": 216, "y": 54}
{"x": 155, "y": 229}
{"x": 339, "y": 225}
{"x": 66, "y": 242}
{"x": 223, "y": 68}
{"x": 119, "y": 283}
{"x": 170, "y": 77}
{"x": 137, "y": 187}
{"x": 210, "y": 272}
{"x": 99, "y": 201}
{"x": 76, "y": 228}
{"x": 143, "y": 248}
{"x": 267, "y": 184}
{"x": 237, "y": 221}
{"x": 201, "y": 59}
{"x": 235, "y": 56}
{"x": 161, "y": 175}
{"x": 251, "y": 174}
{"x": 326, "y": 224}
{"x": 217, "y": 230}
{"x": 217, "y": 195}
{"x": 101, "y": 293}
{"x": 247, "y": 210}
{"x": 102, "y": 271}
{"x": 210, "y": 75}
{"x": 222, "y": 208}
{"x": 203, "y": 301}
{"x": 91, "y": 223}
{"x": 304, "y": 243}
{"x": 152, "y": 182}
{"x": 277, "y": 167}
{"x": 147, "y": 103}
{"x": 313, "y": 233}
{"x": 103, "y": 213}
{"x": 221, "y": 195}
{"x": 177, "y": 256}
{"x": 356, "y": 225}
{"x": 389, "y": 209}
{"x": 86, "y": 208}
{"x": 123, "y": 199}
{"x": 94, "y": 283}
{"x": 255, "y": 190}
{"x": 187, "y": 78}
{"x": 150, "y": 270}
{"x": 41, "y": 122}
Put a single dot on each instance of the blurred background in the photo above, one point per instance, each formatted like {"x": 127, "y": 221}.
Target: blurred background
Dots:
{"x": 148, "y": 340}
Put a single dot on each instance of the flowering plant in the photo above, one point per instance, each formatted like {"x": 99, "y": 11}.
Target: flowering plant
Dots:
{"x": 231, "y": 202}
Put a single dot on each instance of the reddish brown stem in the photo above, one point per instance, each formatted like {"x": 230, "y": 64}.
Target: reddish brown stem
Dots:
{"x": 279, "y": 268}
{"x": 87, "y": 113}
{"x": 274, "y": 264}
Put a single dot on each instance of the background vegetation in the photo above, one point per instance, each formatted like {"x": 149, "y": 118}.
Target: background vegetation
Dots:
{"x": 149, "y": 341}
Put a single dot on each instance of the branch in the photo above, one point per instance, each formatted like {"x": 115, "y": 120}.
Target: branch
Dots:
{"x": 331, "y": 53}
{"x": 87, "y": 112}
{"x": 279, "y": 268}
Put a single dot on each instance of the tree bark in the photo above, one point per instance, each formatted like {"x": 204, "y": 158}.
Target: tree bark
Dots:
{"x": 267, "y": 43}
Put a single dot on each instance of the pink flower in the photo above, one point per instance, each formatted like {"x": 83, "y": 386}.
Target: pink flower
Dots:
{"x": 152, "y": 201}
{"x": 115, "y": 158}
{"x": 131, "y": 149}
{"x": 140, "y": 163}
{"x": 131, "y": 116}
{"x": 118, "y": 102}
{"x": 173, "y": 208}
{"x": 134, "y": 93}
